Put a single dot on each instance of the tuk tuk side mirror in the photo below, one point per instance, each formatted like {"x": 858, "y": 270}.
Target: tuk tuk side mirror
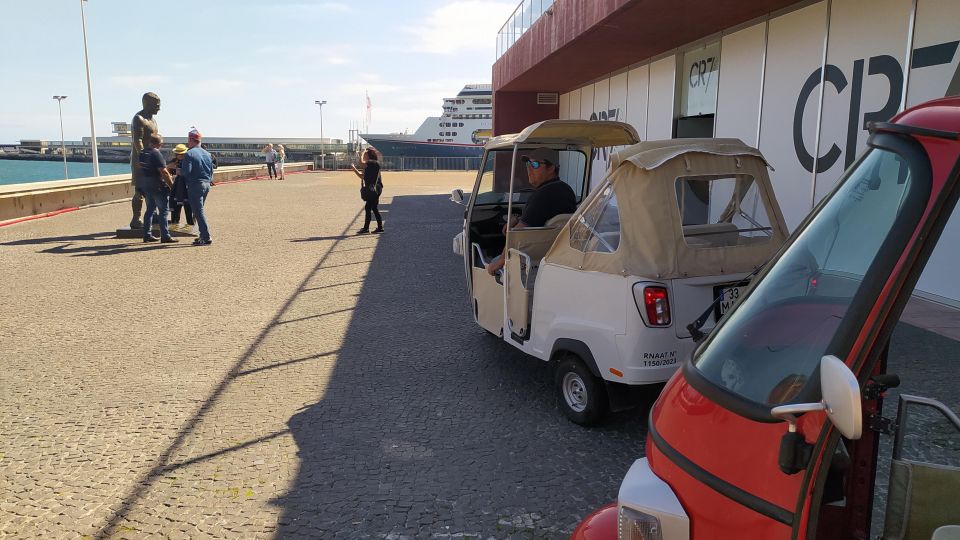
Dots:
{"x": 457, "y": 196}
{"x": 841, "y": 401}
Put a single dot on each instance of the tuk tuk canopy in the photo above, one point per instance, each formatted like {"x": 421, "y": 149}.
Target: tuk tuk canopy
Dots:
{"x": 674, "y": 209}
{"x": 580, "y": 132}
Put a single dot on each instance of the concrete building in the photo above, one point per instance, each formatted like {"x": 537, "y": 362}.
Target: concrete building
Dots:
{"x": 798, "y": 79}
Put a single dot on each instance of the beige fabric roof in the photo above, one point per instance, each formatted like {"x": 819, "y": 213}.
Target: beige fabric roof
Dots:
{"x": 651, "y": 236}
{"x": 652, "y": 154}
{"x": 580, "y": 132}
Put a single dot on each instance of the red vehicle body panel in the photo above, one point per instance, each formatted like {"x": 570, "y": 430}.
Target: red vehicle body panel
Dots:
{"x": 743, "y": 453}
{"x": 600, "y": 525}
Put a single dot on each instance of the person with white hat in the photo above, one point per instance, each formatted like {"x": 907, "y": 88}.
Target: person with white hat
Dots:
{"x": 178, "y": 196}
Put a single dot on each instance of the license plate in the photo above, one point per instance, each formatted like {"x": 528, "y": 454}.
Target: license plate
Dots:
{"x": 731, "y": 295}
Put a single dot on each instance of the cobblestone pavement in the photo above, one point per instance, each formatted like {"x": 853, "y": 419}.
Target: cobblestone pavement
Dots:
{"x": 296, "y": 380}
{"x": 291, "y": 380}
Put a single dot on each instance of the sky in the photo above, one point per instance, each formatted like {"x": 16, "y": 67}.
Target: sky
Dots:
{"x": 241, "y": 68}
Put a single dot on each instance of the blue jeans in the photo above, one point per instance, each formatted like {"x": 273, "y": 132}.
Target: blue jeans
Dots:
{"x": 156, "y": 201}
{"x": 197, "y": 194}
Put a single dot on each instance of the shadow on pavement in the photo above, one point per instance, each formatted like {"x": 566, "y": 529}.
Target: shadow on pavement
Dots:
{"x": 72, "y": 245}
{"x": 164, "y": 462}
{"x": 61, "y": 239}
{"x": 430, "y": 426}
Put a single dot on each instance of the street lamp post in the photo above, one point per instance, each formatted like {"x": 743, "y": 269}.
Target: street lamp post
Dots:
{"x": 63, "y": 146}
{"x": 322, "y": 146}
{"x": 86, "y": 59}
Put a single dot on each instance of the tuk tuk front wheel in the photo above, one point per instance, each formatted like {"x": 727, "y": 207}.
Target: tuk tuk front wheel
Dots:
{"x": 583, "y": 396}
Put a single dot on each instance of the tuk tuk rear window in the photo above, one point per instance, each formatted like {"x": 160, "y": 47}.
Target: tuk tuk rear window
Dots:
{"x": 722, "y": 211}
{"x": 770, "y": 345}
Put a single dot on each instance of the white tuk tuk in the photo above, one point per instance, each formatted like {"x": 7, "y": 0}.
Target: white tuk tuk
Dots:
{"x": 606, "y": 293}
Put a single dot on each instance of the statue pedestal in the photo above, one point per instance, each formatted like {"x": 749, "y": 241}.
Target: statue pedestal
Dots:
{"x": 127, "y": 232}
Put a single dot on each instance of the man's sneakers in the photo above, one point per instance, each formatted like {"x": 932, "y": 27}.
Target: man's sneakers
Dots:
{"x": 363, "y": 231}
{"x": 202, "y": 242}
{"x": 164, "y": 240}
{"x": 136, "y": 224}
{"x": 378, "y": 230}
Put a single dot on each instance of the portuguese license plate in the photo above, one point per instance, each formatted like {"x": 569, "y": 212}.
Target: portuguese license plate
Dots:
{"x": 731, "y": 295}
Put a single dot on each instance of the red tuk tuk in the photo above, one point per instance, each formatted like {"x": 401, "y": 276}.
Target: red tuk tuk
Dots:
{"x": 771, "y": 428}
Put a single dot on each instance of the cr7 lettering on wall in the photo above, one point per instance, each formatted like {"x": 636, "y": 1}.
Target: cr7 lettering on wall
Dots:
{"x": 883, "y": 65}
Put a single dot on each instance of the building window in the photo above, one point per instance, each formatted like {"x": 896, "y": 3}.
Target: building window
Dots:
{"x": 699, "y": 78}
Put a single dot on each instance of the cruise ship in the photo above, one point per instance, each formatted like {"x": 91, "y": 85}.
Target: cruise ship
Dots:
{"x": 459, "y": 132}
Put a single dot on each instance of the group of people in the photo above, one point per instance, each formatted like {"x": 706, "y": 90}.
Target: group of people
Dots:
{"x": 274, "y": 157}
{"x": 185, "y": 180}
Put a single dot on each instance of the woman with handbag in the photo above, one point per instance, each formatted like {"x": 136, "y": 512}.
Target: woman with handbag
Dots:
{"x": 370, "y": 188}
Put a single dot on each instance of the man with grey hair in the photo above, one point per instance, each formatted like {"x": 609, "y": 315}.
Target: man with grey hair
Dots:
{"x": 197, "y": 171}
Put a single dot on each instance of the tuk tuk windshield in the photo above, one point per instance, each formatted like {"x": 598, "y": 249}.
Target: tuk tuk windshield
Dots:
{"x": 771, "y": 344}
{"x": 494, "y": 182}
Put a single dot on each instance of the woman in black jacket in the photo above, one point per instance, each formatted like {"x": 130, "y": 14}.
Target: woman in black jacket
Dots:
{"x": 370, "y": 188}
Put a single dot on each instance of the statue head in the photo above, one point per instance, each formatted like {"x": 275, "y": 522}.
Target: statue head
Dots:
{"x": 151, "y": 103}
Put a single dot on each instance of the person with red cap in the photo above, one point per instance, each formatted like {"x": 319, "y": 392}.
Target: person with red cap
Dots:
{"x": 197, "y": 171}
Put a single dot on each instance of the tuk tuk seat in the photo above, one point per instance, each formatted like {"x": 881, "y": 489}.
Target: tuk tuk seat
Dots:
{"x": 721, "y": 234}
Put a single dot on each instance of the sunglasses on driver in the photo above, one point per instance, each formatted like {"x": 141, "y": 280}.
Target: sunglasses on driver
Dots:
{"x": 536, "y": 164}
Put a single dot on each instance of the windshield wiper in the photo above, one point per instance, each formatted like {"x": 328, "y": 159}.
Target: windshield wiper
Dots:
{"x": 697, "y": 324}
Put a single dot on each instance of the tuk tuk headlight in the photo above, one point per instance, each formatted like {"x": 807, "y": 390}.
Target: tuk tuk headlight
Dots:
{"x": 634, "y": 525}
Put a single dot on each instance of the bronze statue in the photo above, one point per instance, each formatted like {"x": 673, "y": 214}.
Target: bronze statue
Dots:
{"x": 142, "y": 127}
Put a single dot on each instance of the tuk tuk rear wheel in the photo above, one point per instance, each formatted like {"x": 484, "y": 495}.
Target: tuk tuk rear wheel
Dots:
{"x": 583, "y": 396}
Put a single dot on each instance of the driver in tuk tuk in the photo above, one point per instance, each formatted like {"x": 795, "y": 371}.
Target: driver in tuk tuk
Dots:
{"x": 551, "y": 197}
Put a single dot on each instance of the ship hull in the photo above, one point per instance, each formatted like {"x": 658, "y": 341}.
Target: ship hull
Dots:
{"x": 400, "y": 148}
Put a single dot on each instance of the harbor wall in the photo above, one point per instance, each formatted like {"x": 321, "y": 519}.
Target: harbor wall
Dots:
{"x": 23, "y": 200}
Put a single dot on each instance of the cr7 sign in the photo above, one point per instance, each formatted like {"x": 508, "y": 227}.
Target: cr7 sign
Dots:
{"x": 883, "y": 66}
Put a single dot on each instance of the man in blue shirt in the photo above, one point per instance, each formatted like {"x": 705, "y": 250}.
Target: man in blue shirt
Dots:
{"x": 154, "y": 182}
{"x": 197, "y": 169}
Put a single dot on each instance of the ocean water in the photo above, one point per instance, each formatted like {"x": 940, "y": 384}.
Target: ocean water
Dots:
{"x": 19, "y": 171}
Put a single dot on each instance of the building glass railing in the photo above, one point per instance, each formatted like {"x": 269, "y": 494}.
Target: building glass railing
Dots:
{"x": 519, "y": 22}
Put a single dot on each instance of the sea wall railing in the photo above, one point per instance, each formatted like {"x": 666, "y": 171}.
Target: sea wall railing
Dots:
{"x": 36, "y": 198}
{"x": 406, "y": 163}
{"x": 519, "y": 22}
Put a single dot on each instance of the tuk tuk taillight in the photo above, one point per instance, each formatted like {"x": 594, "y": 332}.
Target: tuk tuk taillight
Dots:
{"x": 635, "y": 525}
{"x": 657, "y": 305}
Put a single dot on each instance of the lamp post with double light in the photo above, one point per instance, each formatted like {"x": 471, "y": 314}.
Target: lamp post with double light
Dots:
{"x": 63, "y": 146}
{"x": 322, "y": 146}
{"x": 86, "y": 59}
